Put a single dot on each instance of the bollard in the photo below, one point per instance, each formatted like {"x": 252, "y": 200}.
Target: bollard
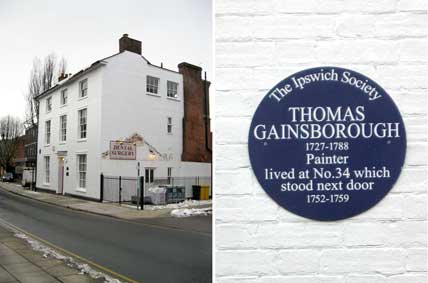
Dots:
{"x": 120, "y": 190}
{"x": 141, "y": 180}
{"x": 101, "y": 187}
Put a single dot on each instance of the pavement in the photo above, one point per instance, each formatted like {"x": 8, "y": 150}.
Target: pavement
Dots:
{"x": 106, "y": 209}
{"x": 20, "y": 263}
{"x": 161, "y": 249}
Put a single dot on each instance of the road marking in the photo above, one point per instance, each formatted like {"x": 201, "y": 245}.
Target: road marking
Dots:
{"x": 105, "y": 269}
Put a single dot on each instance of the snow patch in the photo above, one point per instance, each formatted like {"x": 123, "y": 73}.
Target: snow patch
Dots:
{"x": 156, "y": 190}
{"x": 184, "y": 204}
{"x": 69, "y": 261}
{"x": 128, "y": 205}
{"x": 187, "y": 212}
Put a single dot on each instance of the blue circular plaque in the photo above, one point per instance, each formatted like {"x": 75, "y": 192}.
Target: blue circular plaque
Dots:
{"x": 327, "y": 143}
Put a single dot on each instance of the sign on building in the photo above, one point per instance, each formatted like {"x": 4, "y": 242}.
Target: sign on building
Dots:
{"x": 327, "y": 143}
{"x": 122, "y": 150}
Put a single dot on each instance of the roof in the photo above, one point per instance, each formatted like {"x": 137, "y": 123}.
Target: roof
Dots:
{"x": 92, "y": 67}
{"x": 77, "y": 75}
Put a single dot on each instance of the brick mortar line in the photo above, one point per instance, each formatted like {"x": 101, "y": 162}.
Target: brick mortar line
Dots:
{"x": 320, "y": 13}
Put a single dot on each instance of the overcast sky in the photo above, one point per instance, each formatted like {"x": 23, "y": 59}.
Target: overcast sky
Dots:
{"x": 171, "y": 32}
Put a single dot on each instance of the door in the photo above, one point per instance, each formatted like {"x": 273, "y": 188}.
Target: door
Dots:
{"x": 60, "y": 189}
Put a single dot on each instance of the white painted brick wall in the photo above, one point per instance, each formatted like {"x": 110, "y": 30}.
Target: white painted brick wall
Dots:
{"x": 259, "y": 43}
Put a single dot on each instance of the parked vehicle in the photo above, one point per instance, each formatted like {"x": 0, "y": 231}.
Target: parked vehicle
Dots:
{"x": 8, "y": 177}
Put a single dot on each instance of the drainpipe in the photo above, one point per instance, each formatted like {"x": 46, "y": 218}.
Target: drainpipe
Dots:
{"x": 206, "y": 117}
{"x": 206, "y": 113}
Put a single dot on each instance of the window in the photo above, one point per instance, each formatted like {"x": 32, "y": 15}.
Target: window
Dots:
{"x": 64, "y": 97}
{"x": 30, "y": 152}
{"x": 152, "y": 84}
{"x": 172, "y": 89}
{"x": 82, "y": 123}
{"x": 169, "y": 175}
{"x": 81, "y": 165}
{"x": 47, "y": 169}
{"x": 48, "y": 132}
{"x": 63, "y": 128}
{"x": 149, "y": 175}
{"x": 49, "y": 104}
{"x": 169, "y": 125}
{"x": 83, "y": 88}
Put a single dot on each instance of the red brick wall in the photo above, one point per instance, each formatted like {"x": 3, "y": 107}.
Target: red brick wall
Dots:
{"x": 194, "y": 124}
{"x": 20, "y": 150}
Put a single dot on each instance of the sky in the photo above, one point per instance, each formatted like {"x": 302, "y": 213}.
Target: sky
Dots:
{"x": 82, "y": 32}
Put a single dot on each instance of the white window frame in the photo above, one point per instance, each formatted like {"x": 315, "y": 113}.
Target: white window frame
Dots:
{"x": 169, "y": 125}
{"x": 64, "y": 97}
{"x": 63, "y": 128}
{"x": 152, "y": 85}
{"x": 83, "y": 127}
{"x": 149, "y": 174}
{"x": 172, "y": 89}
{"x": 82, "y": 169}
{"x": 47, "y": 161}
{"x": 48, "y": 104}
{"x": 48, "y": 132}
{"x": 83, "y": 88}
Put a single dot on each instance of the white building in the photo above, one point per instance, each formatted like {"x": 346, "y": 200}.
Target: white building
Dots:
{"x": 122, "y": 100}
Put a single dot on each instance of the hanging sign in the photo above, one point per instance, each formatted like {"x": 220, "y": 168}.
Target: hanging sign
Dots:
{"x": 327, "y": 143}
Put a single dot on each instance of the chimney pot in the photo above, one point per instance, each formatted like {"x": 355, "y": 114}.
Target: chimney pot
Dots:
{"x": 62, "y": 76}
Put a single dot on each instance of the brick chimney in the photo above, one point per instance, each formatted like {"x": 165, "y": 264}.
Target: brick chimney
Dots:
{"x": 197, "y": 137}
{"x": 129, "y": 44}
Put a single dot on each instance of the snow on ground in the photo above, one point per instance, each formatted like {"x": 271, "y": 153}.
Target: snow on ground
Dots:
{"x": 129, "y": 205}
{"x": 187, "y": 212}
{"x": 50, "y": 253}
{"x": 184, "y": 204}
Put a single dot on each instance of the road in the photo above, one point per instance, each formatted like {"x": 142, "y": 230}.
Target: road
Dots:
{"x": 152, "y": 251}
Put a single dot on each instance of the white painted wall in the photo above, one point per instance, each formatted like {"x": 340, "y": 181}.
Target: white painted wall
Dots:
{"x": 73, "y": 146}
{"x": 128, "y": 109}
{"x": 258, "y": 43}
{"x": 195, "y": 169}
